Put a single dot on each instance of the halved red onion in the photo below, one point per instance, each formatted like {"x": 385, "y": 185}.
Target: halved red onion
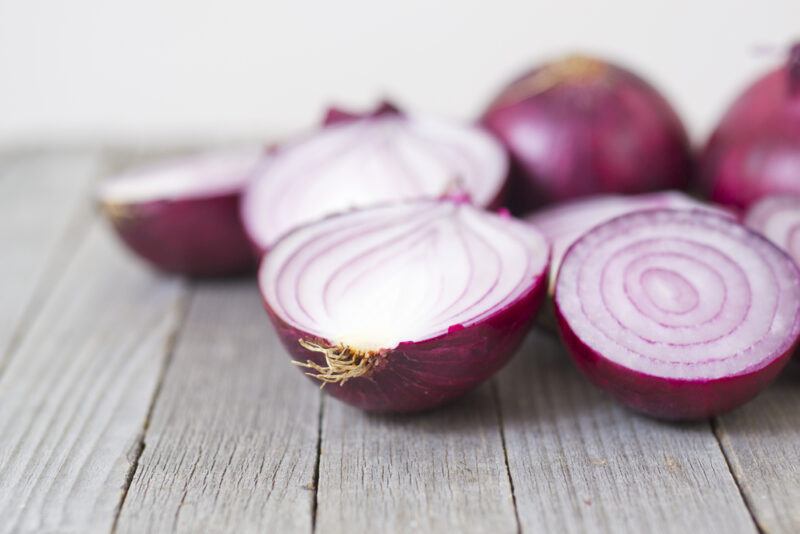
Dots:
{"x": 354, "y": 163}
{"x": 182, "y": 215}
{"x": 580, "y": 126}
{"x": 563, "y": 224}
{"x": 778, "y": 218}
{"x": 678, "y": 314}
{"x": 405, "y": 306}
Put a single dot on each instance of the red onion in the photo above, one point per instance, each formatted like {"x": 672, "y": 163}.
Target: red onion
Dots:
{"x": 183, "y": 215}
{"x": 563, "y": 224}
{"x": 581, "y": 126}
{"x": 354, "y": 163}
{"x": 777, "y": 217}
{"x": 405, "y": 306}
{"x": 679, "y": 314}
{"x": 755, "y": 149}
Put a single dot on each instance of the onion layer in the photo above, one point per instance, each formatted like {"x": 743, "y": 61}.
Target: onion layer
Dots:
{"x": 755, "y": 149}
{"x": 679, "y": 314}
{"x": 778, "y": 219}
{"x": 563, "y": 224}
{"x": 580, "y": 126}
{"x": 355, "y": 163}
{"x": 182, "y": 215}
{"x": 405, "y": 306}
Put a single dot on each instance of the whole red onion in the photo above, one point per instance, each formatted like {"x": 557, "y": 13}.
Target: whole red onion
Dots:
{"x": 755, "y": 149}
{"x": 580, "y": 126}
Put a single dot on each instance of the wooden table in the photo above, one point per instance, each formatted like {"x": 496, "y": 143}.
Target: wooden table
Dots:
{"x": 134, "y": 402}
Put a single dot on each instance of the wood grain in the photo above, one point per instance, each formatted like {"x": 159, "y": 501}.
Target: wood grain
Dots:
{"x": 74, "y": 398}
{"x": 43, "y": 211}
{"x": 581, "y": 463}
{"x": 437, "y": 472}
{"x": 762, "y": 443}
{"x": 232, "y": 446}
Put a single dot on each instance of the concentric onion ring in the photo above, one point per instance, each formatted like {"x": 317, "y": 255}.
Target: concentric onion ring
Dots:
{"x": 405, "y": 305}
{"x": 360, "y": 163}
{"x": 681, "y": 314}
{"x": 777, "y": 217}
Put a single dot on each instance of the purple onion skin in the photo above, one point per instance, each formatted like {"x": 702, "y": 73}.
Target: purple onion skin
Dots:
{"x": 609, "y": 134}
{"x": 336, "y": 115}
{"x": 755, "y": 149}
{"x": 418, "y": 376}
{"x": 200, "y": 237}
{"x": 669, "y": 398}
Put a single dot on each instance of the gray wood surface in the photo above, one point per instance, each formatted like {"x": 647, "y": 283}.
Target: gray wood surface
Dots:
{"x": 232, "y": 446}
{"x": 74, "y": 398}
{"x": 762, "y": 443}
{"x": 43, "y": 211}
{"x": 442, "y": 471}
{"x": 580, "y": 463}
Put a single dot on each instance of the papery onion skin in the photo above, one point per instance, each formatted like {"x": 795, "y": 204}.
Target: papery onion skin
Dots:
{"x": 197, "y": 236}
{"x": 581, "y": 126}
{"x": 432, "y": 139}
{"x": 755, "y": 149}
{"x": 672, "y": 398}
{"x": 422, "y": 375}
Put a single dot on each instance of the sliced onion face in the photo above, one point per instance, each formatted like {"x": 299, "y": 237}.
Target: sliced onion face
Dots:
{"x": 680, "y": 314}
{"x": 182, "y": 215}
{"x": 359, "y": 163}
{"x": 778, "y": 218}
{"x": 563, "y": 224}
{"x": 426, "y": 298}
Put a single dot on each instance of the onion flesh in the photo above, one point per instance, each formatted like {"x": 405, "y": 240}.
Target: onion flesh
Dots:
{"x": 355, "y": 163}
{"x": 679, "y": 314}
{"x": 182, "y": 215}
{"x": 581, "y": 126}
{"x": 755, "y": 149}
{"x": 563, "y": 224}
{"x": 405, "y": 306}
{"x": 777, "y": 217}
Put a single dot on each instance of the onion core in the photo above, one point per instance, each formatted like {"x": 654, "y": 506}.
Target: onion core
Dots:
{"x": 679, "y": 314}
{"x": 408, "y": 305}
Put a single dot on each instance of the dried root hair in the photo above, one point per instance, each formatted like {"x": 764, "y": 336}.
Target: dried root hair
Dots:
{"x": 341, "y": 363}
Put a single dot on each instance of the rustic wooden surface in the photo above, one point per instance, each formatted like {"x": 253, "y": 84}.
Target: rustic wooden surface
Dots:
{"x": 135, "y": 402}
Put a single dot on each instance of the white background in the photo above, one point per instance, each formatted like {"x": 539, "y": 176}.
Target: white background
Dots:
{"x": 149, "y": 71}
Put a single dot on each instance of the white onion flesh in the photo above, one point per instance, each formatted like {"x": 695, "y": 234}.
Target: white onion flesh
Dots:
{"x": 374, "y": 278}
{"x": 368, "y": 162}
{"x": 186, "y": 177}
{"x": 563, "y": 224}
{"x": 680, "y": 294}
{"x": 778, "y": 218}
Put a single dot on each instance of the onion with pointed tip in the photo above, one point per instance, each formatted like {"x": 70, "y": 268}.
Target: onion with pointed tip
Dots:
{"x": 360, "y": 162}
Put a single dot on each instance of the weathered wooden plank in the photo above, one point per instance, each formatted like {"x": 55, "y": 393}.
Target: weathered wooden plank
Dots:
{"x": 232, "y": 445}
{"x": 762, "y": 443}
{"x": 43, "y": 211}
{"x": 581, "y": 463}
{"x": 442, "y": 471}
{"x": 75, "y": 396}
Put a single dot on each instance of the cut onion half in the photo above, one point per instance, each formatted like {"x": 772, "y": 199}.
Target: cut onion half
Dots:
{"x": 182, "y": 215}
{"x": 355, "y": 163}
{"x": 563, "y": 224}
{"x": 778, "y": 218}
{"x": 405, "y": 306}
{"x": 679, "y": 314}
